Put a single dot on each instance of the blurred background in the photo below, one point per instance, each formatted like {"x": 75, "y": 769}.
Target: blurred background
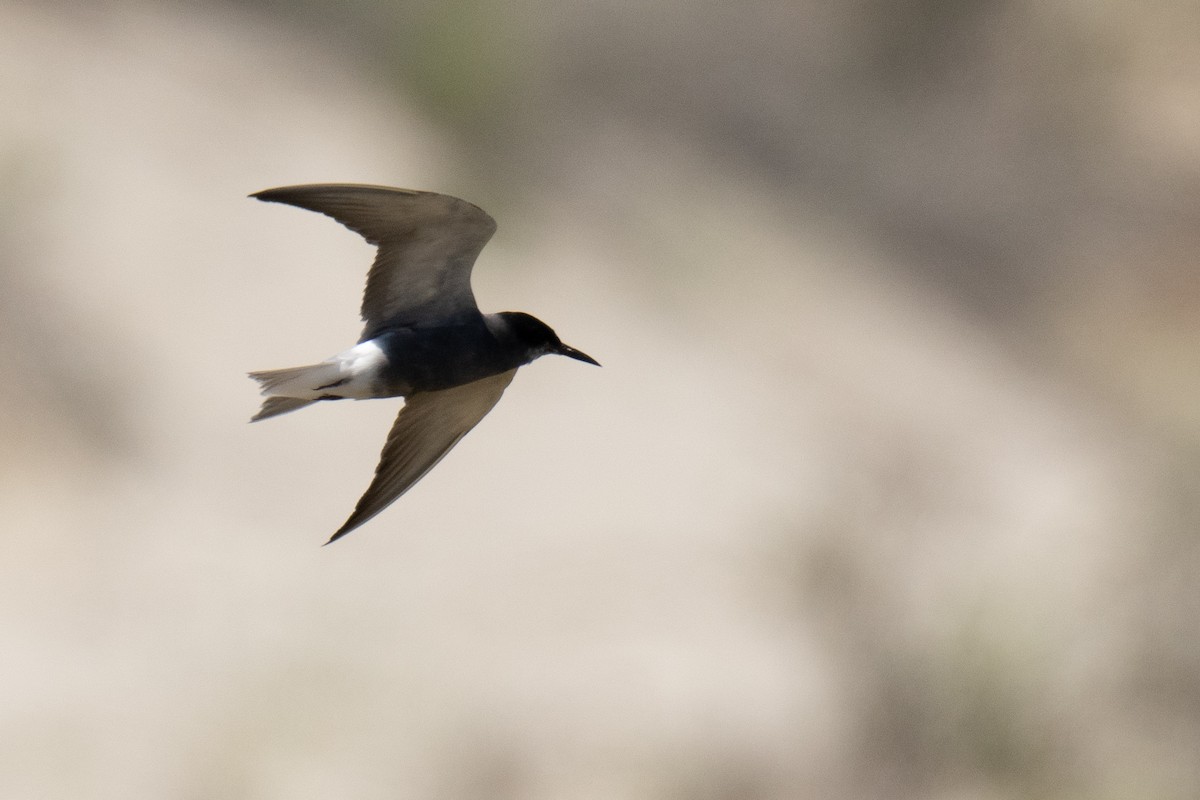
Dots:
{"x": 889, "y": 486}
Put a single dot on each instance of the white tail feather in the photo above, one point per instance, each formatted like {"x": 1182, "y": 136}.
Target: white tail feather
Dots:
{"x": 303, "y": 383}
{"x": 274, "y": 406}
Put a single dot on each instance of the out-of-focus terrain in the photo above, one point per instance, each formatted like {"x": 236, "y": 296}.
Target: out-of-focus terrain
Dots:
{"x": 888, "y": 487}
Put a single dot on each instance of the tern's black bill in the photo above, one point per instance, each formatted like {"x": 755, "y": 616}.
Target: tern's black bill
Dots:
{"x": 578, "y": 355}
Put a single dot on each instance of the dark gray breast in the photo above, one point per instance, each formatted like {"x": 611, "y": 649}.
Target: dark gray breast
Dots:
{"x": 424, "y": 359}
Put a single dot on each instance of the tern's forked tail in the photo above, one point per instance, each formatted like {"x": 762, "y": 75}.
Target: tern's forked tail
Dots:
{"x": 293, "y": 388}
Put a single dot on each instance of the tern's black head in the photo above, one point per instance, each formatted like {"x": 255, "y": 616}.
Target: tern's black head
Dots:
{"x": 537, "y": 338}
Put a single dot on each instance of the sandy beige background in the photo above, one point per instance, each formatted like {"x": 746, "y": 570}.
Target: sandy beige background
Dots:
{"x": 887, "y": 489}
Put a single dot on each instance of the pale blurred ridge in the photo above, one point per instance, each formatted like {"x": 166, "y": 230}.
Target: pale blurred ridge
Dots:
{"x": 888, "y": 487}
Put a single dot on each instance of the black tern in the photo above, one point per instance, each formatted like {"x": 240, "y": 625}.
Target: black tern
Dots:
{"x": 425, "y": 339}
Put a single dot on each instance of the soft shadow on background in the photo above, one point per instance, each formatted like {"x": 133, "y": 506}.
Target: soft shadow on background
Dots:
{"x": 888, "y": 487}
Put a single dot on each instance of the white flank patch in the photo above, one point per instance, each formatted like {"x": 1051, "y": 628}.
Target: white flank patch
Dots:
{"x": 360, "y": 365}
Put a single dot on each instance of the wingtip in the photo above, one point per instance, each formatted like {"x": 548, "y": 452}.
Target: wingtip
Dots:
{"x": 325, "y": 188}
{"x": 273, "y": 194}
{"x": 339, "y": 533}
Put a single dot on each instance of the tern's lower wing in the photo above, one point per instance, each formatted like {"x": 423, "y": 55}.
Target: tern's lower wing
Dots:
{"x": 427, "y": 427}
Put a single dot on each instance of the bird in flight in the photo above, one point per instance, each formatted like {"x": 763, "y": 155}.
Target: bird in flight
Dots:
{"x": 425, "y": 339}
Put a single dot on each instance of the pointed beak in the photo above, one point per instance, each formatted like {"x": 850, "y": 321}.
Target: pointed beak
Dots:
{"x": 578, "y": 355}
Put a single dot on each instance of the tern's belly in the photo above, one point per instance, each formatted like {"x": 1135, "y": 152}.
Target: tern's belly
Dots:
{"x": 430, "y": 359}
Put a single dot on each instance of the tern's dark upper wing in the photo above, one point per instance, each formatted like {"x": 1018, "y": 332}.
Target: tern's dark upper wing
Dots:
{"x": 427, "y": 427}
{"x": 427, "y": 245}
